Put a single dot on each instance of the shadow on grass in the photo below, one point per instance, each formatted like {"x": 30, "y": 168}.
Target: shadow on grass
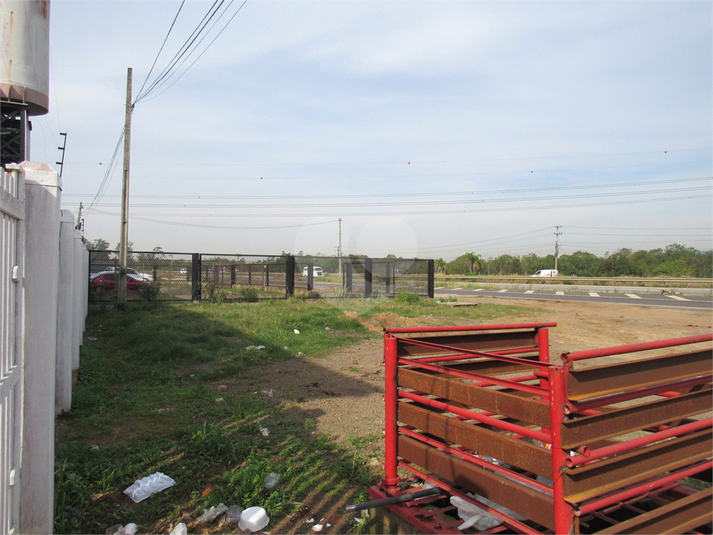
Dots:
{"x": 146, "y": 402}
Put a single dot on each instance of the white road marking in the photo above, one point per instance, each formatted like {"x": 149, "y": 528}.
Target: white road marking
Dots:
{"x": 559, "y": 293}
{"x": 530, "y": 292}
{"x": 594, "y": 294}
{"x": 678, "y": 298}
{"x": 633, "y": 296}
{"x": 502, "y": 291}
{"x": 478, "y": 290}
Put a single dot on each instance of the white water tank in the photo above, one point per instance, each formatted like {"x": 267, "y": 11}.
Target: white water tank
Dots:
{"x": 24, "y": 53}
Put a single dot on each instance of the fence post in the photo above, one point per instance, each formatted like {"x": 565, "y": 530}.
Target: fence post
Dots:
{"x": 348, "y": 276}
{"x": 232, "y": 275}
{"x": 310, "y": 277}
{"x": 41, "y": 281}
{"x": 290, "y": 276}
{"x": 196, "y": 273}
{"x": 65, "y": 314}
{"x": 367, "y": 277}
{"x": 431, "y": 277}
{"x": 387, "y": 277}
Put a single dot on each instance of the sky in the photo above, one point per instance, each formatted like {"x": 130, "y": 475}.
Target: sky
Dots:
{"x": 430, "y": 128}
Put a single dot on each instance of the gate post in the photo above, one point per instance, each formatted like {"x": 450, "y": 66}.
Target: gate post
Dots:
{"x": 290, "y": 276}
{"x": 431, "y": 277}
{"x": 348, "y": 274}
{"x": 367, "y": 277}
{"x": 196, "y": 276}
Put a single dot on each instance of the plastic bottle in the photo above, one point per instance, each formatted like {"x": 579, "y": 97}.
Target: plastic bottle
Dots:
{"x": 271, "y": 480}
{"x": 233, "y": 513}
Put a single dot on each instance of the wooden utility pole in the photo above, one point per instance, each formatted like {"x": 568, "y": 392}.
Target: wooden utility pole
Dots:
{"x": 124, "y": 236}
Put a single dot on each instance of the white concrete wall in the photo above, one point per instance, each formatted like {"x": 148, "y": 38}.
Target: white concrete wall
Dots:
{"x": 42, "y": 208}
{"x": 80, "y": 295}
{"x": 66, "y": 335}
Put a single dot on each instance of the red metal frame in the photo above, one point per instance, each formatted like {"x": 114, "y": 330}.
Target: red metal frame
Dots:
{"x": 449, "y": 362}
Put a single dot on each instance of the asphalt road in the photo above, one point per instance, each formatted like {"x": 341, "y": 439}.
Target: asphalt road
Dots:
{"x": 603, "y": 295}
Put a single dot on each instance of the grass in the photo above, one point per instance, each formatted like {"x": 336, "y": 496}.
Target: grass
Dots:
{"x": 146, "y": 400}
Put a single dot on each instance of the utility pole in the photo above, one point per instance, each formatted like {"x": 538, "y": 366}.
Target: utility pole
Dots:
{"x": 124, "y": 236}
{"x": 557, "y": 243}
{"x": 340, "y": 247}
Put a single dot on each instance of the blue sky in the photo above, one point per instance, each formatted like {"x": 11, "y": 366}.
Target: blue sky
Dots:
{"x": 430, "y": 128}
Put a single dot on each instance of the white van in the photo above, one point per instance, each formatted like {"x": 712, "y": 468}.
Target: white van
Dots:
{"x": 547, "y": 273}
{"x": 316, "y": 271}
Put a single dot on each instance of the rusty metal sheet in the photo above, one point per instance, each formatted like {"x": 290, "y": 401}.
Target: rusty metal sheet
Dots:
{"x": 589, "y": 481}
{"x": 585, "y": 430}
{"x": 476, "y": 342}
{"x": 516, "y": 452}
{"x": 622, "y": 377}
{"x": 528, "y": 502}
{"x": 497, "y": 401}
{"x": 488, "y": 367}
{"x": 677, "y": 517}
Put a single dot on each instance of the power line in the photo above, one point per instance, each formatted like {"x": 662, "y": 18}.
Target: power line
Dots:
{"x": 162, "y": 46}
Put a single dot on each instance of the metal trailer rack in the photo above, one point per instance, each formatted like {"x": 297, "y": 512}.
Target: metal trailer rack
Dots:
{"x": 599, "y": 442}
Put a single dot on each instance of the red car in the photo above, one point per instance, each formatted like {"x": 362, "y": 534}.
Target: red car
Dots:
{"x": 106, "y": 282}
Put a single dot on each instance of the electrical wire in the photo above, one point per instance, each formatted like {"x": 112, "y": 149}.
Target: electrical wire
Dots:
{"x": 107, "y": 175}
{"x": 165, "y": 40}
{"x": 204, "y": 50}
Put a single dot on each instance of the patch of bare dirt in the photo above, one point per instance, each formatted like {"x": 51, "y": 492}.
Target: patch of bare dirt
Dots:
{"x": 343, "y": 393}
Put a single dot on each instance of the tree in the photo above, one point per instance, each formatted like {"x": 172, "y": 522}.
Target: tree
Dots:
{"x": 581, "y": 264}
{"x": 98, "y": 245}
{"x": 441, "y": 265}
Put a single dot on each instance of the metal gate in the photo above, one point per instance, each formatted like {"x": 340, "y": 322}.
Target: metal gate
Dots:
{"x": 12, "y": 209}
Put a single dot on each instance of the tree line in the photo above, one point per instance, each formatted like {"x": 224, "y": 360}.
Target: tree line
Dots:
{"x": 673, "y": 261}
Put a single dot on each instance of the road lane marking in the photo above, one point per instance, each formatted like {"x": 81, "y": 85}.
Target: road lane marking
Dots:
{"x": 478, "y": 290}
{"x": 594, "y": 294}
{"x": 559, "y": 293}
{"x": 633, "y": 296}
{"x": 530, "y": 292}
{"x": 677, "y": 298}
{"x": 502, "y": 291}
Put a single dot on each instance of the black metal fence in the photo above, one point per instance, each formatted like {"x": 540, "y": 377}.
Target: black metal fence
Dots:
{"x": 199, "y": 276}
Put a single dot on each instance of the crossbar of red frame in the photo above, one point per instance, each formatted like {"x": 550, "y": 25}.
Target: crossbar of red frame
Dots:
{"x": 472, "y": 459}
{"x": 632, "y": 348}
{"x": 515, "y": 385}
{"x": 461, "y": 357}
{"x": 594, "y": 455}
{"x": 467, "y": 328}
{"x": 474, "y": 353}
{"x": 507, "y": 426}
{"x": 639, "y": 393}
{"x": 650, "y": 485}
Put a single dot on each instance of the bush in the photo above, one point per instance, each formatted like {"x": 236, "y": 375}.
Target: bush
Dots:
{"x": 248, "y": 294}
{"x": 151, "y": 292}
{"x": 406, "y": 297}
